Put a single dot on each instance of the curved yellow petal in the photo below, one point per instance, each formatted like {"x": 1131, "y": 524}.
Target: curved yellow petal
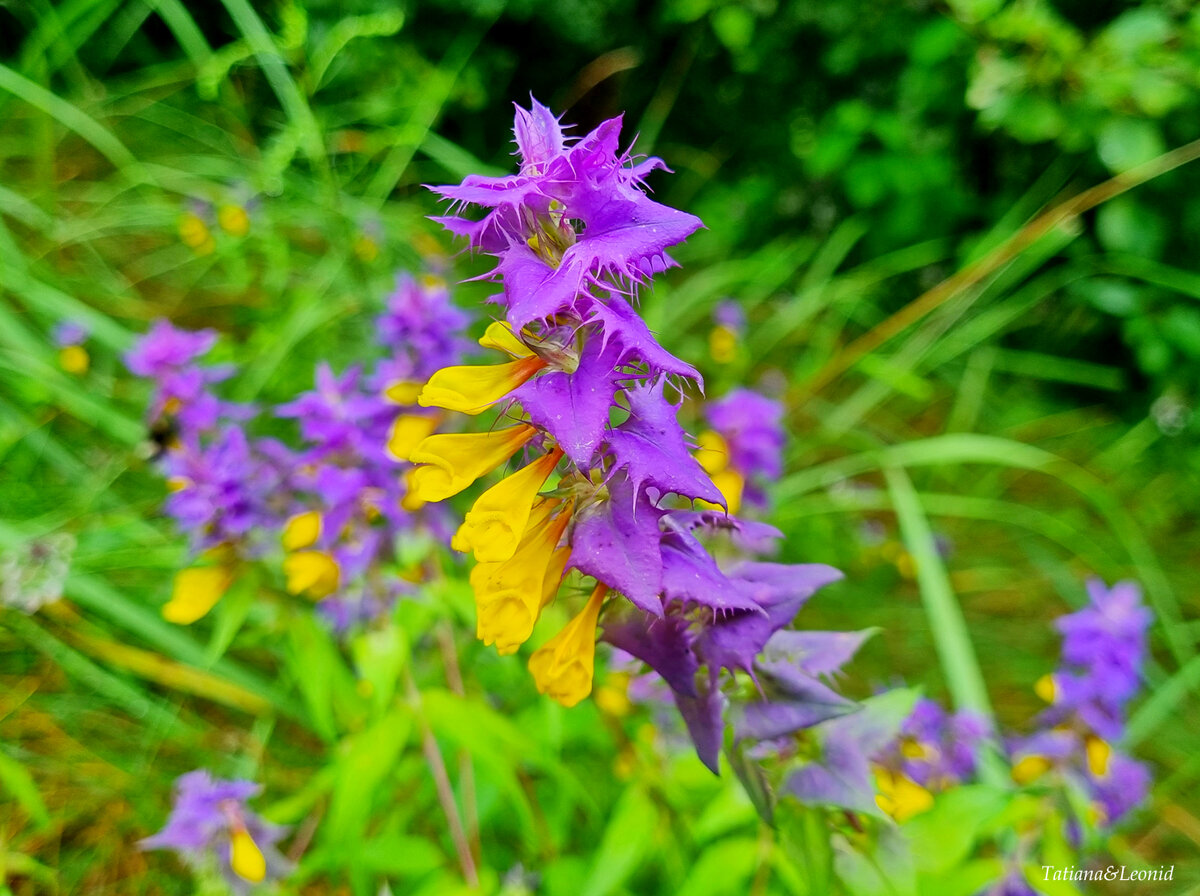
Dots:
{"x": 495, "y": 525}
{"x": 554, "y": 574}
{"x": 302, "y": 531}
{"x": 712, "y": 452}
{"x": 196, "y": 591}
{"x": 245, "y": 858}
{"x": 407, "y": 432}
{"x": 1030, "y": 768}
{"x": 314, "y": 573}
{"x": 1044, "y": 688}
{"x": 1098, "y": 753}
{"x": 454, "y": 460}
{"x": 233, "y": 220}
{"x": 730, "y": 484}
{"x": 473, "y": 389}
{"x": 509, "y": 595}
{"x": 723, "y": 344}
{"x": 900, "y": 796}
{"x": 403, "y": 391}
{"x": 500, "y": 336}
{"x": 562, "y": 667}
{"x": 74, "y": 359}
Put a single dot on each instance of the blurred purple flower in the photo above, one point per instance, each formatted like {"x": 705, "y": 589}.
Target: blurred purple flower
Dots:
{"x": 225, "y": 489}
{"x": 210, "y": 820}
{"x": 69, "y": 332}
{"x": 752, "y": 426}
{"x": 936, "y": 748}
{"x": 1104, "y": 646}
{"x": 166, "y": 349}
{"x": 420, "y": 329}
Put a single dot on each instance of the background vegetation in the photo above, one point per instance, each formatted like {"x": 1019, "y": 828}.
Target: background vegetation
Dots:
{"x": 1037, "y": 409}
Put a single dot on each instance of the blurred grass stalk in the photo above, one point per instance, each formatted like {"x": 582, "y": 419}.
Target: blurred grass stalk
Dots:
{"x": 979, "y": 270}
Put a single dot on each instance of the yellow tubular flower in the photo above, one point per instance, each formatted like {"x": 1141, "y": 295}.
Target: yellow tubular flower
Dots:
{"x": 499, "y": 335}
{"x": 302, "y": 531}
{"x": 509, "y": 595}
{"x": 730, "y": 483}
{"x": 712, "y": 452}
{"x": 562, "y": 667}
{"x": 1098, "y": 753}
{"x": 408, "y": 431}
{"x": 722, "y": 344}
{"x": 1030, "y": 768}
{"x": 455, "y": 460}
{"x": 1044, "y": 688}
{"x": 900, "y": 796}
{"x": 233, "y": 220}
{"x": 245, "y": 858}
{"x": 554, "y": 574}
{"x": 314, "y": 573}
{"x": 410, "y": 501}
{"x": 196, "y": 591}
{"x": 494, "y": 526}
{"x": 74, "y": 359}
{"x": 403, "y": 391}
{"x": 473, "y": 389}
{"x": 193, "y": 232}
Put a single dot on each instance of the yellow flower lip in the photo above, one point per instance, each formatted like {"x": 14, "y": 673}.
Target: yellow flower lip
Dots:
{"x": 407, "y": 432}
{"x": 302, "y": 531}
{"x": 233, "y": 219}
{"x": 723, "y": 344}
{"x": 1030, "y": 768}
{"x": 493, "y": 528}
{"x": 196, "y": 591}
{"x": 500, "y": 336}
{"x": 712, "y": 452}
{"x": 510, "y": 594}
{"x": 74, "y": 359}
{"x": 472, "y": 389}
{"x": 900, "y": 796}
{"x": 313, "y": 573}
{"x": 562, "y": 668}
{"x": 452, "y": 461}
{"x": 1098, "y": 754}
{"x": 245, "y": 858}
{"x": 1044, "y": 688}
{"x": 403, "y": 391}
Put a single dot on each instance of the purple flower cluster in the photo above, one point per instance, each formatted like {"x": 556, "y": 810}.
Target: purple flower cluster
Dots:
{"x": 586, "y": 391}
{"x": 182, "y": 388}
{"x": 873, "y": 759}
{"x": 421, "y": 328}
{"x": 336, "y": 501}
{"x": 936, "y": 749}
{"x": 210, "y": 822}
{"x": 1104, "y": 647}
{"x": 221, "y": 482}
{"x": 744, "y": 449}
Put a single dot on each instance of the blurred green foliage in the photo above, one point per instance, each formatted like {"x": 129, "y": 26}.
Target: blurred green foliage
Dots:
{"x": 845, "y": 156}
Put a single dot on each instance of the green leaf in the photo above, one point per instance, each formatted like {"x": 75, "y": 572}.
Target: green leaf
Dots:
{"x": 944, "y": 836}
{"x": 629, "y": 838}
{"x": 364, "y": 763}
{"x": 19, "y": 783}
{"x": 726, "y": 866}
{"x": 1125, "y": 143}
{"x": 959, "y": 665}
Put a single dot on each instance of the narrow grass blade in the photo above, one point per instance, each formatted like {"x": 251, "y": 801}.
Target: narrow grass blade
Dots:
{"x": 963, "y": 675}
